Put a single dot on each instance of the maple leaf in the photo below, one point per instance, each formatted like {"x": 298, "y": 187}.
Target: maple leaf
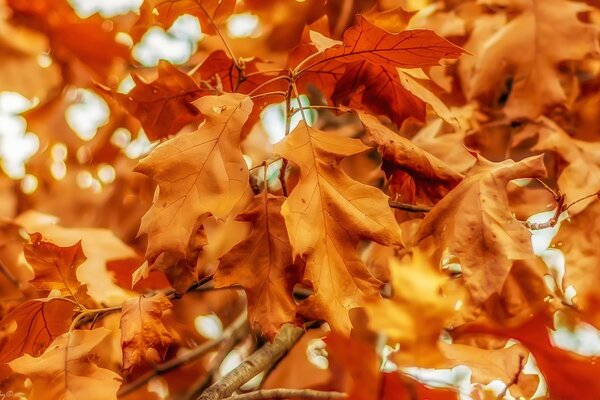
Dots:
{"x": 475, "y": 225}
{"x": 198, "y": 173}
{"x": 326, "y": 214}
{"x": 210, "y": 13}
{"x": 55, "y": 267}
{"x": 144, "y": 337}
{"x": 64, "y": 371}
{"x": 432, "y": 177}
{"x": 370, "y": 77}
{"x": 39, "y": 322}
{"x": 415, "y": 315}
{"x": 163, "y": 106}
{"x": 545, "y": 33}
{"x": 263, "y": 265}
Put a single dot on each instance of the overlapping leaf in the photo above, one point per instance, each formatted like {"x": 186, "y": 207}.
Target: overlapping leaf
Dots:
{"x": 263, "y": 265}
{"x": 475, "y": 225}
{"x": 144, "y": 337}
{"x": 64, "y": 371}
{"x": 198, "y": 173}
{"x": 326, "y": 215}
{"x": 530, "y": 47}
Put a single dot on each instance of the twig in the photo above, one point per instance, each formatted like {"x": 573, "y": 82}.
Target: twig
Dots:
{"x": 276, "y": 93}
{"x": 9, "y": 275}
{"x": 288, "y": 393}
{"x": 226, "y": 347}
{"x": 253, "y": 365}
{"x": 581, "y": 199}
{"x": 235, "y": 329}
{"x": 515, "y": 379}
{"x": 409, "y": 207}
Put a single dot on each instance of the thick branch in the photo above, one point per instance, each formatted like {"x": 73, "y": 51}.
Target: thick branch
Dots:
{"x": 287, "y": 394}
{"x": 253, "y": 365}
{"x": 237, "y": 328}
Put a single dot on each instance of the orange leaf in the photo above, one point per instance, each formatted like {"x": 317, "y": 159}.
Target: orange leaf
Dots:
{"x": 263, "y": 265}
{"x": 55, "y": 267}
{"x": 144, "y": 337}
{"x": 326, "y": 215}
{"x": 65, "y": 371}
{"x": 198, "y": 173}
{"x": 163, "y": 106}
{"x": 475, "y": 225}
{"x": 39, "y": 322}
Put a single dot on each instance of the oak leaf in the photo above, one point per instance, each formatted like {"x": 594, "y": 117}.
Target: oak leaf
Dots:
{"x": 144, "y": 337}
{"x": 433, "y": 178}
{"x": 263, "y": 265}
{"x": 39, "y": 322}
{"x": 163, "y": 106}
{"x": 210, "y": 13}
{"x": 55, "y": 267}
{"x": 581, "y": 176}
{"x": 475, "y": 225}
{"x": 198, "y": 173}
{"x": 530, "y": 47}
{"x": 326, "y": 215}
{"x": 64, "y": 371}
{"x": 362, "y": 70}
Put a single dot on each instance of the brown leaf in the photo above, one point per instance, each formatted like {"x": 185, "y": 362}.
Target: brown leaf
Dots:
{"x": 370, "y": 78}
{"x": 163, "y": 106}
{"x": 55, "y": 267}
{"x": 529, "y": 47}
{"x": 210, "y": 13}
{"x": 39, "y": 322}
{"x": 144, "y": 337}
{"x": 415, "y": 315}
{"x": 263, "y": 265}
{"x": 433, "y": 178}
{"x": 326, "y": 215}
{"x": 65, "y": 371}
{"x": 475, "y": 225}
{"x": 188, "y": 189}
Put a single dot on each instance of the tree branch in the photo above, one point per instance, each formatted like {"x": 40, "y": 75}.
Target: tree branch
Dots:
{"x": 288, "y": 393}
{"x": 253, "y": 365}
{"x": 238, "y": 328}
{"x": 408, "y": 207}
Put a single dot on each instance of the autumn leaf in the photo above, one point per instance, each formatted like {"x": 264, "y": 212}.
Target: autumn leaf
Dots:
{"x": 263, "y": 265}
{"x": 475, "y": 225}
{"x": 326, "y": 215}
{"x": 416, "y": 313}
{"x": 163, "y": 106}
{"x": 370, "y": 79}
{"x": 144, "y": 337}
{"x": 581, "y": 176}
{"x": 39, "y": 322}
{"x": 529, "y": 48}
{"x": 210, "y": 13}
{"x": 189, "y": 190}
{"x": 565, "y": 372}
{"x": 433, "y": 178}
{"x": 64, "y": 371}
{"x": 55, "y": 267}
{"x": 378, "y": 89}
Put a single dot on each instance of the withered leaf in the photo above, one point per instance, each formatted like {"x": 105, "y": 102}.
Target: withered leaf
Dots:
{"x": 326, "y": 215}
